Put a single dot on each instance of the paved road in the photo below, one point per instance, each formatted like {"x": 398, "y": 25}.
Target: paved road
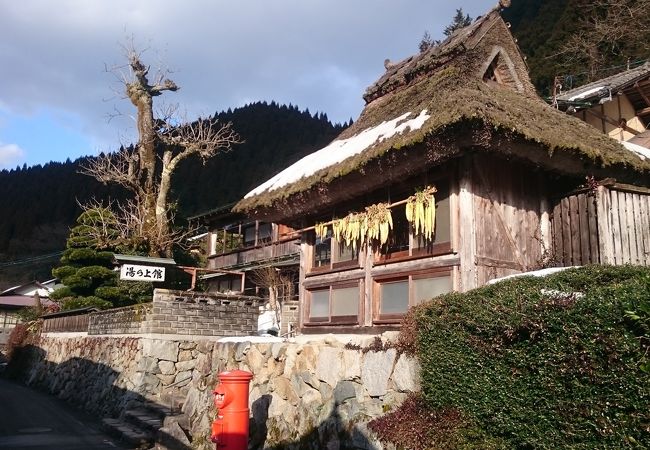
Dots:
{"x": 31, "y": 420}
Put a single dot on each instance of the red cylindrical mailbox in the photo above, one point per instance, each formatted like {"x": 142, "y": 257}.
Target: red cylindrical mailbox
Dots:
{"x": 230, "y": 428}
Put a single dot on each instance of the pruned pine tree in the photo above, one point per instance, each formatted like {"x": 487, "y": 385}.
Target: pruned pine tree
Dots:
{"x": 163, "y": 142}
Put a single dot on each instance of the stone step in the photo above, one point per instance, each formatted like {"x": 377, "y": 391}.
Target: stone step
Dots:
{"x": 144, "y": 418}
{"x": 128, "y": 433}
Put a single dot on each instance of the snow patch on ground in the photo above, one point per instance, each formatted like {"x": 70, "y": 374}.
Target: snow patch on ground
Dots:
{"x": 534, "y": 273}
{"x": 339, "y": 150}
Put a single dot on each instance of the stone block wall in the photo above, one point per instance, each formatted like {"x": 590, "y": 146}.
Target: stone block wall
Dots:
{"x": 316, "y": 394}
{"x": 290, "y": 318}
{"x": 178, "y": 312}
{"x": 127, "y": 320}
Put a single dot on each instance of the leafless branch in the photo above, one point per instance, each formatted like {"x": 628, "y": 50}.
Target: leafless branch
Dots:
{"x": 119, "y": 168}
{"x": 203, "y": 137}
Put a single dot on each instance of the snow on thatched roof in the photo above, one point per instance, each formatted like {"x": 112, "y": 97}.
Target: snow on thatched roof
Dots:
{"x": 447, "y": 94}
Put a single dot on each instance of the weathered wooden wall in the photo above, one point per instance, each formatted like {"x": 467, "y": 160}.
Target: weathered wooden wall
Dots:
{"x": 66, "y": 323}
{"x": 624, "y": 225}
{"x": 575, "y": 230}
{"x": 610, "y": 225}
{"x": 500, "y": 219}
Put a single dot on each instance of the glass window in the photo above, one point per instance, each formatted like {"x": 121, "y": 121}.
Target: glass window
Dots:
{"x": 427, "y": 288}
{"x": 394, "y": 297}
{"x": 249, "y": 236}
{"x": 323, "y": 250}
{"x": 345, "y": 301}
{"x": 320, "y": 304}
{"x": 343, "y": 252}
{"x": 442, "y": 232}
{"x": 236, "y": 284}
{"x": 398, "y": 238}
{"x": 264, "y": 232}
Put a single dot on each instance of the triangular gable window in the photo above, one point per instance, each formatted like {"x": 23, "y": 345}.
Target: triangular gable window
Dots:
{"x": 500, "y": 71}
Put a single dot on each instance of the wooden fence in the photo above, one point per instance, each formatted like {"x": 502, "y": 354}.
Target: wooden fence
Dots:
{"x": 66, "y": 323}
{"x": 609, "y": 225}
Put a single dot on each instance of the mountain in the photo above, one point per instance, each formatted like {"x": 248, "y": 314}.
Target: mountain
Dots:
{"x": 40, "y": 203}
{"x": 554, "y": 35}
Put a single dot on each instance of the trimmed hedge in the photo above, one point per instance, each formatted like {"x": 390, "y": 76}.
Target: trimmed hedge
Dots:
{"x": 540, "y": 363}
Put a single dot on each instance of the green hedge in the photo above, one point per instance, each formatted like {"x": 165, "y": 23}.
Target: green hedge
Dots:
{"x": 542, "y": 363}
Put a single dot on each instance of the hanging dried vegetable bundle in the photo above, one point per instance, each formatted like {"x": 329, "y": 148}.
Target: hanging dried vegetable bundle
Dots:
{"x": 379, "y": 222}
{"x": 421, "y": 212}
{"x": 362, "y": 228}
{"x": 321, "y": 230}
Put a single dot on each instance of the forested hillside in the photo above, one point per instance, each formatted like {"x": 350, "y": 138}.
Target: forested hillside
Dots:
{"x": 579, "y": 40}
{"x": 40, "y": 203}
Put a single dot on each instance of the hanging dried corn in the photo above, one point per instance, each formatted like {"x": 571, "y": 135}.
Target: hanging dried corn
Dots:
{"x": 421, "y": 212}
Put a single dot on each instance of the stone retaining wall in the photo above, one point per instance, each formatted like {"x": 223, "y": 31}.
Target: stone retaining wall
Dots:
{"x": 316, "y": 394}
{"x": 178, "y": 312}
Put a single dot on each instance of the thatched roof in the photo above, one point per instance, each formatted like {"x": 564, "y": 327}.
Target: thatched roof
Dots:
{"x": 465, "y": 111}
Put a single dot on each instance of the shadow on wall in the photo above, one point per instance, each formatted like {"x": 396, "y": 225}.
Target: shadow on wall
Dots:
{"x": 331, "y": 434}
{"x": 94, "y": 391}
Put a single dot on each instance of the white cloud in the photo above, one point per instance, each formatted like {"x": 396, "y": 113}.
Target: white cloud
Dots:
{"x": 318, "y": 54}
{"x": 10, "y": 155}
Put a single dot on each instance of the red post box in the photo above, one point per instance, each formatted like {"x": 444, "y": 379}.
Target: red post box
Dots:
{"x": 230, "y": 428}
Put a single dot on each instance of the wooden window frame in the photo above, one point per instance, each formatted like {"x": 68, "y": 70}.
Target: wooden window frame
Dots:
{"x": 332, "y": 266}
{"x": 434, "y": 249}
{"x": 378, "y": 317}
{"x": 333, "y": 320}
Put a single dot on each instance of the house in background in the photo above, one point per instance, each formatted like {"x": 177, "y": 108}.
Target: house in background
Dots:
{"x": 515, "y": 187}
{"x": 618, "y": 106}
{"x": 14, "y": 299}
{"x": 254, "y": 258}
{"x": 43, "y": 288}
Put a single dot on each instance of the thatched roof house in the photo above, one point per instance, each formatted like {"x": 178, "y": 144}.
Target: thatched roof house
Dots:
{"x": 463, "y": 117}
{"x": 475, "y": 93}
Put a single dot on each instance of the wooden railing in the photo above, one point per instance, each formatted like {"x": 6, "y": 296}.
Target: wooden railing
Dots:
{"x": 254, "y": 254}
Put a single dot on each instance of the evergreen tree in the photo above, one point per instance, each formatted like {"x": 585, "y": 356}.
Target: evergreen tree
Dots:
{"x": 86, "y": 269}
{"x": 459, "y": 21}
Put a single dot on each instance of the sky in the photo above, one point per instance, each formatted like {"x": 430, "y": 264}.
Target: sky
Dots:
{"x": 61, "y": 63}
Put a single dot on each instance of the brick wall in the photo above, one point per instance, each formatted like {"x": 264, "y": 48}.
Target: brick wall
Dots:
{"x": 183, "y": 313}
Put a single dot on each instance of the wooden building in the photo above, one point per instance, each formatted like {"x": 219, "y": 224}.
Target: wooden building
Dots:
{"x": 239, "y": 246}
{"x": 618, "y": 105}
{"x": 516, "y": 181}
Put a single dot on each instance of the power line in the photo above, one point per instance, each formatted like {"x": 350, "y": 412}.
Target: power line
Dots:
{"x": 30, "y": 260}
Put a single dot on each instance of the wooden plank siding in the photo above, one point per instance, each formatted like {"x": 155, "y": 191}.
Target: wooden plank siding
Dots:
{"x": 609, "y": 226}
{"x": 575, "y": 230}
{"x": 507, "y": 214}
{"x": 66, "y": 323}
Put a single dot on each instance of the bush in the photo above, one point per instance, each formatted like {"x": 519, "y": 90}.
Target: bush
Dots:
{"x": 85, "y": 302}
{"x": 539, "y": 363}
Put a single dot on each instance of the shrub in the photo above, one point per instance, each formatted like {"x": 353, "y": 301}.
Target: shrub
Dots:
{"x": 539, "y": 363}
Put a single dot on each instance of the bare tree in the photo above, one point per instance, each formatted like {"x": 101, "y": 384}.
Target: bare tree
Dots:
{"x": 278, "y": 285}
{"x": 608, "y": 30}
{"x": 162, "y": 144}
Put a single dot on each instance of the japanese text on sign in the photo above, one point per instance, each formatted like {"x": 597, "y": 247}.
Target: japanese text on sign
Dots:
{"x": 142, "y": 273}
